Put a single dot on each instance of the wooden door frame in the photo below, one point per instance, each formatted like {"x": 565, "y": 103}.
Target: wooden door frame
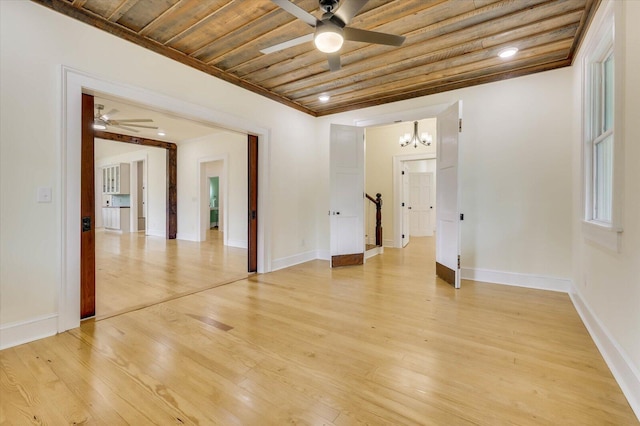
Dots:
{"x": 87, "y": 198}
{"x": 252, "y": 205}
{"x": 172, "y": 172}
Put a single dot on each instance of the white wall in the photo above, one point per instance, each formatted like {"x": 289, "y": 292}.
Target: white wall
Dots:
{"x": 35, "y": 43}
{"x": 515, "y": 175}
{"x": 193, "y": 193}
{"x": 381, "y": 145}
{"x": 607, "y": 283}
{"x": 109, "y": 152}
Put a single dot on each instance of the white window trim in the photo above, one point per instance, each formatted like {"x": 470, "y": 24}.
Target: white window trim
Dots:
{"x": 607, "y": 23}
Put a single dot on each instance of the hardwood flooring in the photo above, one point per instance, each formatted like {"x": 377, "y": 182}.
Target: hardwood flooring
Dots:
{"x": 134, "y": 270}
{"x": 381, "y": 344}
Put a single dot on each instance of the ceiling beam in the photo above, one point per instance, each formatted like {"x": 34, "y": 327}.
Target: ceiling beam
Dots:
{"x": 137, "y": 140}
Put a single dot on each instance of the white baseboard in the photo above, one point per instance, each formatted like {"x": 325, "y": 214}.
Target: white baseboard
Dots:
{"x": 17, "y": 333}
{"x": 323, "y": 254}
{"x": 237, "y": 243}
{"x": 296, "y": 259}
{"x": 373, "y": 252}
{"x": 156, "y": 233}
{"x": 187, "y": 237}
{"x": 387, "y": 243}
{"x": 515, "y": 279}
{"x": 623, "y": 370}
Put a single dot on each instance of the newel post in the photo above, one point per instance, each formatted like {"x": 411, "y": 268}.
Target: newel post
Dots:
{"x": 379, "y": 219}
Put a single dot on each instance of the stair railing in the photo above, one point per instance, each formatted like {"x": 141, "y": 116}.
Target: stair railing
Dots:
{"x": 378, "y": 203}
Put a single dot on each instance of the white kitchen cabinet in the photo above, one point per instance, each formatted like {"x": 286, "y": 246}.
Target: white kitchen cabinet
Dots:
{"x": 115, "y": 179}
{"x": 116, "y": 218}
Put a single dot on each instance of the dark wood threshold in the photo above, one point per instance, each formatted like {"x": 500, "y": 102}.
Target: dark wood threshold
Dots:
{"x": 347, "y": 260}
{"x": 446, "y": 273}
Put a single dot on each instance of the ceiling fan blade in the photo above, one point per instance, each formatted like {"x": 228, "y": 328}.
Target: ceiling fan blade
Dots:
{"x": 134, "y": 120}
{"x": 334, "y": 61}
{"x": 349, "y": 9}
{"x": 126, "y": 128}
{"x": 133, "y": 125}
{"x": 355, "y": 34}
{"x": 297, "y": 11}
{"x": 110, "y": 113}
{"x": 288, "y": 44}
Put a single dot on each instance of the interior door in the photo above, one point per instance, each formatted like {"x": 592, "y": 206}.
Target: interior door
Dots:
{"x": 87, "y": 213}
{"x": 253, "y": 203}
{"x": 420, "y": 204}
{"x": 449, "y": 125}
{"x": 347, "y": 195}
{"x": 406, "y": 206}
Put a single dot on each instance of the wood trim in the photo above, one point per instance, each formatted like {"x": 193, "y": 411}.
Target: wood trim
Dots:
{"x": 172, "y": 193}
{"x": 172, "y": 172}
{"x": 584, "y": 25}
{"x": 87, "y": 210}
{"x": 445, "y": 273}
{"x": 253, "y": 203}
{"x": 117, "y": 137}
{"x": 94, "y": 20}
{"x": 347, "y": 260}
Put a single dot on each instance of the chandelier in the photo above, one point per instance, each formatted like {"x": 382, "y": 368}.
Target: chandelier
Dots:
{"x": 407, "y": 139}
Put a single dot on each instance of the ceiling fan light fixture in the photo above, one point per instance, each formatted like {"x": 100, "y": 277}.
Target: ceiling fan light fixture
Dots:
{"x": 99, "y": 126}
{"x": 328, "y": 38}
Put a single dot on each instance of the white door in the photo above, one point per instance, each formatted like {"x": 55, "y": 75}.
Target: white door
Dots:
{"x": 420, "y": 204}
{"x": 448, "y": 195}
{"x": 347, "y": 195}
{"x": 406, "y": 207}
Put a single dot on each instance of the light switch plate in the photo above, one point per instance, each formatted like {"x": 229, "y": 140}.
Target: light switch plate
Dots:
{"x": 44, "y": 194}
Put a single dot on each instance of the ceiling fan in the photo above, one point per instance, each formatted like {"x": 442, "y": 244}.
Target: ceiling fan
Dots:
{"x": 332, "y": 29}
{"x": 102, "y": 121}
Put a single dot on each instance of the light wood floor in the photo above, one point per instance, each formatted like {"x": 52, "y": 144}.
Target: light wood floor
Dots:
{"x": 134, "y": 270}
{"x": 383, "y": 344}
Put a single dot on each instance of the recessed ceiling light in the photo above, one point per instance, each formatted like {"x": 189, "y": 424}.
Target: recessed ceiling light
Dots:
{"x": 161, "y": 133}
{"x": 324, "y": 97}
{"x": 508, "y": 52}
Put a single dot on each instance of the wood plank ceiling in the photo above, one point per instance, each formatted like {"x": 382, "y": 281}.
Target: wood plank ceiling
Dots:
{"x": 449, "y": 44}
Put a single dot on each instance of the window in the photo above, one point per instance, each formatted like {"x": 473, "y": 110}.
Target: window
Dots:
{"x": 601, "y": 143}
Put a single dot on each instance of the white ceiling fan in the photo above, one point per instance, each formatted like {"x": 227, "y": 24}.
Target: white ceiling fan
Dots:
{"x": 332, "y": 29}
{"x": 103, "y": 120}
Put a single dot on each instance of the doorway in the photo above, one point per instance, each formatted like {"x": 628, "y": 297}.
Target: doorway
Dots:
{"x": 74, "y": 84}
{"x": 135, "y": 186}
{"x": 421, "y": 197}
{"x": 138, "y": 196}
{"x": 214, "y": 208}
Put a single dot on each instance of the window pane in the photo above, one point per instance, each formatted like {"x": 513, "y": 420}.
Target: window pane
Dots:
{"x": 608, "y": 93}
{"x": 603, "y": 179}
